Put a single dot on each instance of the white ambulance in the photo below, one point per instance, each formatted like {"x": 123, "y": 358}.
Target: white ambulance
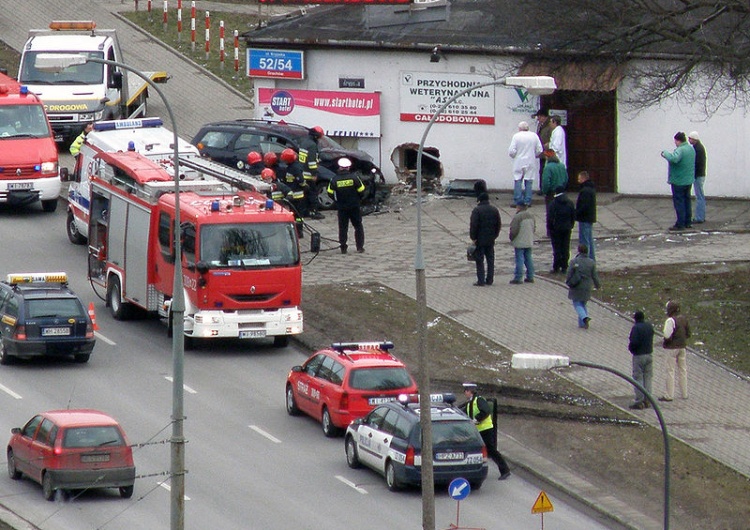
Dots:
{"x": 146, "y": 136}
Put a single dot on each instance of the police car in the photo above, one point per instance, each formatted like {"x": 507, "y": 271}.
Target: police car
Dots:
{"x": 389, "y": 441}
{"x": 40, "y": 315}
{"x": 346, "y": 381}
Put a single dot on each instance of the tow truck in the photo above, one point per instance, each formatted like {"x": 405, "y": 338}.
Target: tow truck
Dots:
{"x": 240, "y": 262}
{"x": 83, "y": 93}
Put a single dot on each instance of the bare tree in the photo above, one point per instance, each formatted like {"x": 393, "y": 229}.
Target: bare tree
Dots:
{"x": 697, "y": 51}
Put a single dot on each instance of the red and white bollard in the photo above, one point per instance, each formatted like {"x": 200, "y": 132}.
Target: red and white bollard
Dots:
{"x": 236, "y": 51}
{"x": 221, "y": 44}
{"x": 179, "y": 20}
{"x": 192, "y": 26}
{"x": 208, "y": 37}
{"x": 164, "y": 16}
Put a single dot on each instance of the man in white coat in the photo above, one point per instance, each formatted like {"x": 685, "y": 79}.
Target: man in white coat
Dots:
{"x": 525, "y": 149}
{"x": 557, "y": 140}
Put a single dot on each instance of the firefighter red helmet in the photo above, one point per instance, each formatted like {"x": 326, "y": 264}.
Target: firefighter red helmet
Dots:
{"x": 317, "y": 131}
{"x": 270, "y": 159}
{"x": 288, "y": 155}
{"x": 253, "y": 157}
{"x": 268, "y": 173}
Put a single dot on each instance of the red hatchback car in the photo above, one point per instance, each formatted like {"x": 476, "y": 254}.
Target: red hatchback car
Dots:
{"x": 346, "y": 381}
{"x": 72, "y": 450}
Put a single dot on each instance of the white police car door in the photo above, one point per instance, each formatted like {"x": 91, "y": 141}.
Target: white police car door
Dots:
{"x": 369, "y": 437}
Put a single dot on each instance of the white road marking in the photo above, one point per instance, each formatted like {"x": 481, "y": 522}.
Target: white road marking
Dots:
{"x": 166, "y": 487}
{"x": 10, "y": 392}
{"x": 105, "y": 339}
{"x": 265, "y": 434}
{"x": 187, "y": 388}
{"x": 352, "y": 485}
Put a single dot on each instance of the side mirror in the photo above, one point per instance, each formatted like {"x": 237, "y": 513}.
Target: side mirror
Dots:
{"x": 202, "y": 267}
{"x": 64, "y": 174}
{"x": 15, "y": 430}
{"x": 116, "y": 81}
{"x": 297, "y": 368}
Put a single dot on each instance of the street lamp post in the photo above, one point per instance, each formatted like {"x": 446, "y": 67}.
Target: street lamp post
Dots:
{"x": 537, "y": 85}
{"x": 538, "y": 361}
{"x": 58, "y": 62}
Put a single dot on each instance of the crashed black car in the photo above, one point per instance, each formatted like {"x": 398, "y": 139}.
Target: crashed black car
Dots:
{"x": 229, "y": 142}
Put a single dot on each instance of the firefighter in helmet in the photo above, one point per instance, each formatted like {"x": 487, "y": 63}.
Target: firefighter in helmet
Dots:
{"x": 291, "y": 172}
{"x": 347, "y": 189}
{"x": 254, "y": 163}
{"x": 308, "y": 156}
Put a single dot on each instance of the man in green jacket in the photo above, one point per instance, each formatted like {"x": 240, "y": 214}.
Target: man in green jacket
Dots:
{"x": 681, "y": 177}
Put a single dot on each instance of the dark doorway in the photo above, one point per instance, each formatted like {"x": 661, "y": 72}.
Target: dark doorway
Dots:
{"x": 590, "y": 134}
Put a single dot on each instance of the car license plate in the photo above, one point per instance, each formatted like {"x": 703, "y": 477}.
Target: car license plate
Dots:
{"x": 20, "y": 186}
{"x": 449, "y": 456}
{"x": 380, "y": 400}
{"x": 91, "y": 459}
{"x": 55, "y": 332}
{"x": 253, "y": 334}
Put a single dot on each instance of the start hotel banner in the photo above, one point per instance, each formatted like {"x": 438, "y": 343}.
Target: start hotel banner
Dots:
{"x": 423, "y": 93}
{"x": 339, "y": 113}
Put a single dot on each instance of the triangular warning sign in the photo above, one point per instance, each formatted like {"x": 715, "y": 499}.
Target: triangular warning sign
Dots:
{"x": 542, "y": 504}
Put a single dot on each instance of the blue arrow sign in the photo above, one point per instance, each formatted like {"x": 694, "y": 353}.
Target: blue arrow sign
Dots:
{"x": 459, "y": 489}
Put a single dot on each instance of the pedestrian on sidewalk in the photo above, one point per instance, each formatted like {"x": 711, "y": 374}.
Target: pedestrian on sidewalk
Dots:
{"x": 544, "y": 132}
{"x": 676, "y": 332}
{"x": 681, "y": 164}
{"x": 484, "y": 227}
{"x": 700, "y": 177}
{"x": 581, "y": 279}
{"x": 524, "y": 149}
{"x": 554, "y": 175}
{"x": 586, "y": 211}
{"x": 641, "y": 346}
{"x": 522, "y": 229}
{"x": 479, "y": 410}
{"x": 561, "y": 217}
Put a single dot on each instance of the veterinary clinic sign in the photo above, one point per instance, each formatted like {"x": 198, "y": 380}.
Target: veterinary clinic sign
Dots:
{"x": 423, "y": 93}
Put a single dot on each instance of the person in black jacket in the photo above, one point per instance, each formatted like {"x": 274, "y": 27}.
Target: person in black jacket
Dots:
{"x": 586, "y": 211}
{"x": 347, "y": 189}
{"x": 561, "y": 217}
{"x": 484, "y": 227}
{"x": 641, "y": 345}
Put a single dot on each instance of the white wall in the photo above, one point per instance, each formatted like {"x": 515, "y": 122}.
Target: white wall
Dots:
{"x": 642, "y": 136}
{"x": 466, "y": 151}
{"x": 480, "y": 151}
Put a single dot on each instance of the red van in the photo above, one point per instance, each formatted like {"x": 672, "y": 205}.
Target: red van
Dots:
{"x": 29, "y": 169}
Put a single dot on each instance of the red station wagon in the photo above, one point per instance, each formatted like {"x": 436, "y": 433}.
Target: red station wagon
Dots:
{"x": 72, "y": 450}
{"x": 346, "y": 381}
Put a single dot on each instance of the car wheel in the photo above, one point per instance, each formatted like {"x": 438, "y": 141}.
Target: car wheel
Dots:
{"x": 325, "y": 201}
{"x": 126, "y": 491}
{"x": 82, "y": 357}
{"x": 13, "y": 473}
{"x": 390, "y": 477}
{"x": 50, "y": 205}
{"x": 291, "y": 404}
{"x": 73, "y": 234}
{"x": 5, "y": 357}
{"x": 281, "y": 341}
{"x": 352, "y": 457}
{"x": 329, "y": 429}
{"x": 47, "y": 487}
{"x": 117, "y": 307}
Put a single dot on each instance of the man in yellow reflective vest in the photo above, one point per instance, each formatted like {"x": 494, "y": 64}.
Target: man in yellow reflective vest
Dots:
{"x": 480, "y": 412}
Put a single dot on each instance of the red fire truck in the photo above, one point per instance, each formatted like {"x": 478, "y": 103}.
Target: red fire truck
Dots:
{"x": 240, "y": 251}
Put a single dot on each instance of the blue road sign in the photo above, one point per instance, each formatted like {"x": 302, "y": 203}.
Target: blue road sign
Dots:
{"x": 459, "y": 489}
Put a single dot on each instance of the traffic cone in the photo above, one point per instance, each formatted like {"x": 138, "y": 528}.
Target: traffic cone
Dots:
{"x": 92, "y": 316}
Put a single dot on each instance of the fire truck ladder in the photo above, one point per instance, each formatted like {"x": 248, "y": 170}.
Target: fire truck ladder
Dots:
{"x": 238, "y": 179}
